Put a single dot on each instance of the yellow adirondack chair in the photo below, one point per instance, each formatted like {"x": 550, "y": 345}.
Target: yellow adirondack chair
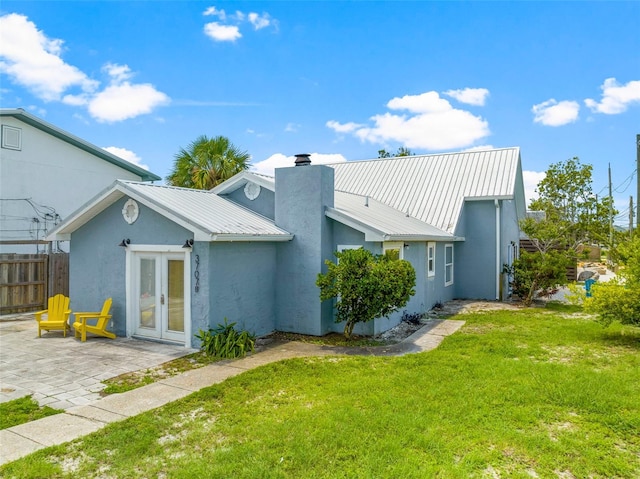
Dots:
{"x": 57, "y": 315}
{"x": 82, "y": 327}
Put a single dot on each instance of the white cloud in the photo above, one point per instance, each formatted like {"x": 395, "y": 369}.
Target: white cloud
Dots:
{"x": 616, "y": 98}
{"x": 259, "y": 22}
{"x": 222, "y": 33}
{"x": 343, "y": 127}
{"x": 429, "y": 102}
{"x": 278, "y": 160}
{"x": 480, "y": 148}
{"x": 471, "y": 96}
{"x": 123, "y": 101}
{"x": 126, "y": 155}
{"x": 213, "y": 11}
{"x": 554, "y": 113}
{"x": 292, "y": 127}
{"x": 531, "y": 180}
{"x": 227, "y": 29}
{"x": 118, "y": 73}
{"x": 433, "y": 124}
{"x": 34, "y": 61}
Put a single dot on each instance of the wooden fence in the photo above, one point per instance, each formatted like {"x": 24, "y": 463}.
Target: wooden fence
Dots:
{"x": 572, "y": 270}
{"x": 27, "y": 280}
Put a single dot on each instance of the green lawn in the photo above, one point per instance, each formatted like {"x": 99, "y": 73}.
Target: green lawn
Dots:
{"x": 536, "y": 393}
{"x": 23, "y": 410}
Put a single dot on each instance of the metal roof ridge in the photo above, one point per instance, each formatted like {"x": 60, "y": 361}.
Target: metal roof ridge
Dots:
{"x": 371, "y": 160}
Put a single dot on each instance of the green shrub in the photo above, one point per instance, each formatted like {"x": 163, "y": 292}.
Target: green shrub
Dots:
{"x": 366, "y": 286}
{"x": 538, "y": 274}
{"x": 619, "y": 300}
{"x": 226, "y": 342}
{"x": 615, "y": 301}
{"x": 576, "y": 295}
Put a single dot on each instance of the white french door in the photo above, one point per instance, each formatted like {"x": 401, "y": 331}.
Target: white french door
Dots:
{"x": 159, "y": 295}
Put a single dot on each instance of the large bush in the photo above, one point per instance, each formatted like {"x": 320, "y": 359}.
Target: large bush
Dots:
{"x": 538, "y": 274}
{"x": 619, "y": 299}
{"x": 366, "y": 286}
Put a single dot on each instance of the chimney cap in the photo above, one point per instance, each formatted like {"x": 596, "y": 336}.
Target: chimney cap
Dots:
{"x": 302, "y": 159}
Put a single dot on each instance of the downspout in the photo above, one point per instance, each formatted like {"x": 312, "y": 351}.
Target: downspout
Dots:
{"x": 498, "y": 269}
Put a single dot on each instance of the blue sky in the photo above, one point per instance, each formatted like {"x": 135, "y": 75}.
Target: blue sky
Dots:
{"x": 340, "y": 80}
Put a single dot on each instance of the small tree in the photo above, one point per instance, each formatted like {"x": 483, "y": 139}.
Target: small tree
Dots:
{"x": 619, "y": 300}
{"x": 538, "y": 274}
{"x": 573, "y": 215}
{"x": 366, "y": 286}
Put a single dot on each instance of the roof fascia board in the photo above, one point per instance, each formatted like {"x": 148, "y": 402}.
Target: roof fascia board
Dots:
{"x": 423, "y": 238}
{"x": 238, "y": 180}
{"x": 370, "y": 234}
{"x": 374, "y": 235}
{"x": 235, "y": 237}
{"x": 53, "y": 130}
{"x": 488, "y": 198}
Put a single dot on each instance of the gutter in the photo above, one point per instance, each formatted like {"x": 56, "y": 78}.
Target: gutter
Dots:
{"x": 498, "y": 269}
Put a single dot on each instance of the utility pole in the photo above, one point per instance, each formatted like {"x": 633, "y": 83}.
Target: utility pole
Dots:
{"x": 631, "y": 217}
{"x": 610, "y": 217}
{"x": 638, "y": 180}
{"x": 610, "y": 213}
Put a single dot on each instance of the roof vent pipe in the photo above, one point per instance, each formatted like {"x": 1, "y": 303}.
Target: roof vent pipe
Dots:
{"x": 302, "y": 159}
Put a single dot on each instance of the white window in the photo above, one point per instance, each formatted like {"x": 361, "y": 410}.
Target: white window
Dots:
{"x": 431, "y": 259}
{"x": 448, "y": 264}
{"x": 393, "y": 250}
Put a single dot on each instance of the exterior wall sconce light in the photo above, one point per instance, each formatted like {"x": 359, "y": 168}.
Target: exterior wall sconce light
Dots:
{"x": 188, "y": 243}
{"x": 406, "y": 245}
{"x": 125, "y": 242}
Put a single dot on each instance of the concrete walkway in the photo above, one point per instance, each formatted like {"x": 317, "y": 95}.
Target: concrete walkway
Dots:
{"x": 85, "y": 418}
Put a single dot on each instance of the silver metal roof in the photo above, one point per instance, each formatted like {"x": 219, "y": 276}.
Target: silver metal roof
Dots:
{"x": 209, "y": 216}
{"x": 432, "y": 188}
{"x": 380, "y": 222}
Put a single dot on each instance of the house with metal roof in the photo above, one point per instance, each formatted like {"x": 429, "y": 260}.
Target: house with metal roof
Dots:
{"x": 45, "y": 173}
{"x": 177, "y": 260}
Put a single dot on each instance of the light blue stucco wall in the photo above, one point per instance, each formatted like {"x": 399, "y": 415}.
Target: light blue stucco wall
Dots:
{"x": 475, "y": 258}
{"x": 509, "y": 238}
{"x": 302, "y": 195}
{"x": 97, "y": 263}
{"x": 429, "y": 290}
{"x": 264, "y": 204}
{"x": 243, "y": 285}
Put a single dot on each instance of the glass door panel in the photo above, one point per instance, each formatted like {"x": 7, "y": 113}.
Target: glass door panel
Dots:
{"x": 160, "y": 296}
{"x": 147, "y": 293}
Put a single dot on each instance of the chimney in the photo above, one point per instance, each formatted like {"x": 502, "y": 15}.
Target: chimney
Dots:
{"x": 302, "y": 159}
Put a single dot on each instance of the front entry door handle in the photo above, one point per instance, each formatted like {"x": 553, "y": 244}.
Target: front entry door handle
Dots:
{"x": 162, "y": 299}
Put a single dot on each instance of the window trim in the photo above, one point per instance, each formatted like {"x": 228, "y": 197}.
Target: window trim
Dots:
{"x": 431, "y": 259}
{"x": 448, "y": 265}
{"x": 7, "y": 144}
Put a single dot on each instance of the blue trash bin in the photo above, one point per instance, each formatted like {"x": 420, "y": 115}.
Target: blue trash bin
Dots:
{"x": 587, "y": 286}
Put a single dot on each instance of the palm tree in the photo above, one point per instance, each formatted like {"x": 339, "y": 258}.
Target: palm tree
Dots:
{"x": 207, "y": 162}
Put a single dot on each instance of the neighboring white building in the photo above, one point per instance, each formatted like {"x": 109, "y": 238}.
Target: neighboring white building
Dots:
{"x": 47, "y": 173}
